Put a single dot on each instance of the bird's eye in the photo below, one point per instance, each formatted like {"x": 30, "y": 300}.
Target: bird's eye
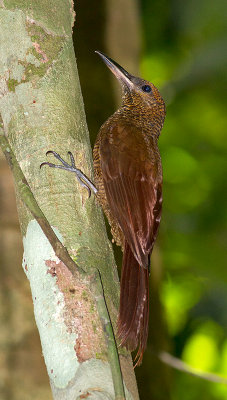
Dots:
{"x": 146, "y": 88}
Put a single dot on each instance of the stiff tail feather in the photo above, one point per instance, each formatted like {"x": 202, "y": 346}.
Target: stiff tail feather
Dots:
{"x": 134, "y": 305}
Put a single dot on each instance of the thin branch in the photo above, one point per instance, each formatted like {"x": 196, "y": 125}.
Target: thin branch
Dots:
{"x": 182, "y": 366}
{"x": 97, "y": 289}
{"x": 62, "y": 253}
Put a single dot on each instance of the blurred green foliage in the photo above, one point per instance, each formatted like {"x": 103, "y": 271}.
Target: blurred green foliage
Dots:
{"x": 183, "y": 54}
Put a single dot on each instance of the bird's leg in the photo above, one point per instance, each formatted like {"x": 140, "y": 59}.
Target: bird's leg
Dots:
{"x": 83, "y": 180}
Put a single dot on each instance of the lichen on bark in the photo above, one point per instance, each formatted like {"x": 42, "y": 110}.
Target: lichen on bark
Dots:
{"x": 42, "y": 109}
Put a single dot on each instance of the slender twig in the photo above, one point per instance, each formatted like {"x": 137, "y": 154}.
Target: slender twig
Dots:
{"x": 182, "y": 366}
{"x": 62, "y": 253}
{"x": 98, "y": 292}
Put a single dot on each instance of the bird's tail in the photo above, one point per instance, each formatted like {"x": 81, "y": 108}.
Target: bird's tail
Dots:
{"x": 134, "y": 305}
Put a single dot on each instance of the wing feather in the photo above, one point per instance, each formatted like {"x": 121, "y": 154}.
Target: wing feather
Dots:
{"x": 133, "y": 187}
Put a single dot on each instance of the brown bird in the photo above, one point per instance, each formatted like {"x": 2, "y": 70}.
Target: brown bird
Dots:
{"x": 128, "y": 180}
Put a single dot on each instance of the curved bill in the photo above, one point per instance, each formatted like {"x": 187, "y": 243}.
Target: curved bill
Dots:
{"x": 121, "y": 74}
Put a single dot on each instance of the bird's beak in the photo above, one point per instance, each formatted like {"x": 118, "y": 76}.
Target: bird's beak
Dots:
{"x": 121, "y": 74}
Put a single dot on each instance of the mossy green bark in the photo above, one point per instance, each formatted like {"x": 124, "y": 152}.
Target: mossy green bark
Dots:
{"x": 55, "y": 15}
{"x": 42, "y": 109}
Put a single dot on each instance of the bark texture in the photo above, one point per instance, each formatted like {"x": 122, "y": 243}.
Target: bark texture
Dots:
{"x": 42, "y": 109}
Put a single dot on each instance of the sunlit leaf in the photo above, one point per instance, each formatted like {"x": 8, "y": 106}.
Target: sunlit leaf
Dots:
{"x": 178, "y": 298}
{"x": 201, "y": 352}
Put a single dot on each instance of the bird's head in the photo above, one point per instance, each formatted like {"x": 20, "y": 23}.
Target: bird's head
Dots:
{"x": 135, "y": 90}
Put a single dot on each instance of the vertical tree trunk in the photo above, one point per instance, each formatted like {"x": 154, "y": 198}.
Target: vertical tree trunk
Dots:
{"x": 123, "y": 35}
{"x": 41, "y": 109}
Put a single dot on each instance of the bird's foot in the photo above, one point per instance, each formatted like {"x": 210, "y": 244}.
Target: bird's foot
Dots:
{"x": 83, "y": 180}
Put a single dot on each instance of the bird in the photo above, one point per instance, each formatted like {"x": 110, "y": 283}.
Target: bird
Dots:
{"x": 128, "y": 186}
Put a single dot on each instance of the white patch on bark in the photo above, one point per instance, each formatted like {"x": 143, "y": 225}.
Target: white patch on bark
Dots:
{"x": 93, "y": 380}
{"x": 57, "y": 342}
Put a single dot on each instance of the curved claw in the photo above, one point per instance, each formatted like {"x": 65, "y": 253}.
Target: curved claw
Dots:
{"x": 89, "y": 190}
{"x": 43, "y": 163}
{"x": 52, "y": 165}
{"x": 72, "y": 159}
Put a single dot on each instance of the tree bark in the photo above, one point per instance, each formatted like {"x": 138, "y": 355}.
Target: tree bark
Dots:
{"x": 42, "y": 109}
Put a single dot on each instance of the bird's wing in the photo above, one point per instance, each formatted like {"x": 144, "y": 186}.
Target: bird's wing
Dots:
{"x": 133, "y": 186}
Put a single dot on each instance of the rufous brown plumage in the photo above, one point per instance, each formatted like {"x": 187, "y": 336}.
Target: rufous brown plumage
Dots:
{"x": 128, "y": 176}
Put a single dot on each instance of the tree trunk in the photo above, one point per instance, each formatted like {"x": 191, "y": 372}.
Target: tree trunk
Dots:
{"x": 42, "y": 109}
